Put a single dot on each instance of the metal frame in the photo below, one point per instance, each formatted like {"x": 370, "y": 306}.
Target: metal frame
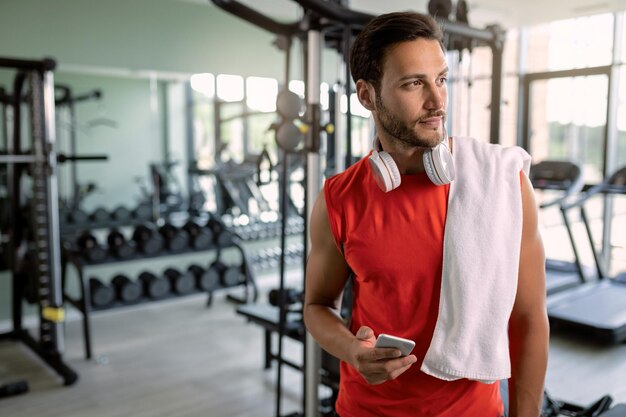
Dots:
{"x": 330, "y": 20}
{"x": 44, "y": 216}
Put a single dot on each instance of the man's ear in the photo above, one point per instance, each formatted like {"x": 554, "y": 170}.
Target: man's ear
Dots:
{"x": 366, "y": 94}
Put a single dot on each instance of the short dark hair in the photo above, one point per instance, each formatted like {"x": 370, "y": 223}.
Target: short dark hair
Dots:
{"x": 372, "y": 43}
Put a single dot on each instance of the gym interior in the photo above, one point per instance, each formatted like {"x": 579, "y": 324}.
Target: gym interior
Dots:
{"x": 160, "y": 158}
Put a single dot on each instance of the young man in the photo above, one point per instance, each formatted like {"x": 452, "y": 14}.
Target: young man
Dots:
{"x": 458, "y": 268}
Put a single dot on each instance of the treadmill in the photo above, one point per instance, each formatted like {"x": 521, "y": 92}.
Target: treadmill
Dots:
{"x": 596, "y": 309}
{"x": 565, "y": 177}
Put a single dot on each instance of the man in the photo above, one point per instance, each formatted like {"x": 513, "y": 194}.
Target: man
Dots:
{"x": 394, "y": 244}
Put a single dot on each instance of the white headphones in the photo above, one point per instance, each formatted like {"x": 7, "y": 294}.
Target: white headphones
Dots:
{"x": 438, "y": 164}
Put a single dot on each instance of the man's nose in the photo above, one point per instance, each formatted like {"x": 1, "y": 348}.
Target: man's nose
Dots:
{"x": 435, "y": 99}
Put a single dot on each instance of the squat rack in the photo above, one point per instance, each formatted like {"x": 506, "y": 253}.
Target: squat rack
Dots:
{"x": 39, "y": 273}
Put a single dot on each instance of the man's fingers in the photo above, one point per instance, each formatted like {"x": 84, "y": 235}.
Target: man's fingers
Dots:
{"x": 364, "y": 333}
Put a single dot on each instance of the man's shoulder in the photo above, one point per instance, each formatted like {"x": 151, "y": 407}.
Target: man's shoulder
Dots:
{"x": 484, "y": 149}
{"x": 348, "y": 176}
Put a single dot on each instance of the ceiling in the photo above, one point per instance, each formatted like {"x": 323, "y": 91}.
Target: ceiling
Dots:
{"x": 507, "y": 13}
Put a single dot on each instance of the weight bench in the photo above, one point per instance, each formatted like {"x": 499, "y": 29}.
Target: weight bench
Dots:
{"x": 266, "y": 316}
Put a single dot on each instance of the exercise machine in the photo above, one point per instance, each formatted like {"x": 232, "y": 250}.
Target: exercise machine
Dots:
{"x": 565, "y": 178}
{"x": 42, "y": 273}
{"x": 595, "y": 310}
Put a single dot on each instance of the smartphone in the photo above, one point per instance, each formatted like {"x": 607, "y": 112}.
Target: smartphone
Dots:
{"x": 387, "y": 341}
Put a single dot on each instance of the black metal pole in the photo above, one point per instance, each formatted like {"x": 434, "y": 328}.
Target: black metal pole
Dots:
{"x": 284, "y": 183}
{"x": 497, "y": 46}
{"x": 346, "y": 58}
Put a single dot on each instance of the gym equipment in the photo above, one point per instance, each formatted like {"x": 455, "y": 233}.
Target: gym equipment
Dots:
{"x": 143, "y": 211}
{"x": 229, "y": 275}
{"x": 148, "y": 239}
{"x": 565, "y": 178}
{"x": 199, "y": 237}
{"x": 594, "y": 309}
{"x": 90, "y": 248}
{"x": 285, "y": 297}
{"x": 99, "y": 215}
{"x": 13, "y": 388}
{"x": 175, "y": 239}
{"x": 66, "y": 100}
{"x": 76, "y": 216}
{"x": 221, "y": 235}
{"x": 154, "y": 287}
{"x": 180, "y": 282}
{"x": 42, "y": 220}
{"x": 206, "y": 279}
{"x": 126, "y": 290}
{"x": 553, "y": 408}
{"x": 121, "y": 214}
{"x": 167, "y": 189}
{"x": 101, "y": 294}
{"x": 119, "y": 246}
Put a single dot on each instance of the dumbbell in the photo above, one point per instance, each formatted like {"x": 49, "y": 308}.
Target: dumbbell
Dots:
{"x": 126, "y": 290}
{"x": 289, "y": 296}
{"x": 154, "y": 286}
{"x": 99, "y": 215}
{"x": 206, "y": 279}
{"x": 262, "y": 258}
{"x": 180, "y": 282}
{"x": 229, "y": 275}
{"x": 199, "y": 237}
{"x": 148, "y": 239}
{"x": 101, "y": 293}
{"x": 89, "y": 247}
{"x": 119, "y": 246}
{"x": 76, "y": 216}
{"x": 253, "y": 232}
{"x": 175, "y": 239}
{"x": 221, "y": 235}
{"x": 121, "y": 214}
{"x": 11, "y": 389}
{"x": 264, "y": 232}
{"x": 142, "y": 212}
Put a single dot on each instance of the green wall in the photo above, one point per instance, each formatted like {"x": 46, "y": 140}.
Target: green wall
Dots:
{"x": 161, "y": 35}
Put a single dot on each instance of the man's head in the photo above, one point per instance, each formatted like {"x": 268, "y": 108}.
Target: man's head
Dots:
{"x": 399, "y": 66}
{"x": 380, "y": 34}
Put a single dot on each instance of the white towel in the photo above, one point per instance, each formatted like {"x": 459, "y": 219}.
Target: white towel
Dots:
{"x": 480, "y": 263}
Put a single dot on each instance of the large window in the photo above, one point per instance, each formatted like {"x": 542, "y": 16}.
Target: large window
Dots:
{"x": 567, "y": 44}
{"x": 567, "y": 77}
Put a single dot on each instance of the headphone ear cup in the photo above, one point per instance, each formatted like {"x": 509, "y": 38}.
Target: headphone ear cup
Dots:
{"x": 439, "y": 165}
{"x": 444, "y": 164}
{"x": 430, "y": 168}
{"x": 385, "y": 171}
{"x": 392, "y": 168}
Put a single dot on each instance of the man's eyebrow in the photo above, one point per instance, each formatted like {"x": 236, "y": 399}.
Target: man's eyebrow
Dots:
{"x": 422, "y": 76}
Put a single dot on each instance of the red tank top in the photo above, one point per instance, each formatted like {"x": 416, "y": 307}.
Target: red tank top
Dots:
{"x": 394, "y": 244}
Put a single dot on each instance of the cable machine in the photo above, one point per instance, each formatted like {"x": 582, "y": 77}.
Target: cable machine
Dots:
{"x": 331, "y": 24}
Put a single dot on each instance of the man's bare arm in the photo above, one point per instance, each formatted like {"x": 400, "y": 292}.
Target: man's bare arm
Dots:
{"x": 326, "y": 276}
{"x": 528, "y": 325}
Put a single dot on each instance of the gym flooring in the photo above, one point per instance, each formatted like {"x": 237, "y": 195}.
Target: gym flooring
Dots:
{"x": 177, "y": 358}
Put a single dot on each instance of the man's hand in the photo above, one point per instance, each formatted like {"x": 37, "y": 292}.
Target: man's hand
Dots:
{"x": 377, "y": 365}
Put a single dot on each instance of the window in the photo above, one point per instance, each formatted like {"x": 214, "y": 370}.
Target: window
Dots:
{"x": 573, "y": 43}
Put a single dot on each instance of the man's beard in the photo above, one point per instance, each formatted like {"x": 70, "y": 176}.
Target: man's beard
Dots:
{"x": 399, "y": 132}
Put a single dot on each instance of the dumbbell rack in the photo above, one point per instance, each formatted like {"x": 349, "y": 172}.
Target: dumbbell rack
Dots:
{"x": 42, "y": 221}
{"x": 84, "y": 305}
{"x": 69, "y": 228}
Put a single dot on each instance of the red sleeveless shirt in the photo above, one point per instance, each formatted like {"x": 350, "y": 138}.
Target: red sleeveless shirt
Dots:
{"x": 394, "y": 244}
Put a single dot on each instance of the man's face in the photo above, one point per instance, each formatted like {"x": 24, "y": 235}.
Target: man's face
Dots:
{"x": 413, "y": 96}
